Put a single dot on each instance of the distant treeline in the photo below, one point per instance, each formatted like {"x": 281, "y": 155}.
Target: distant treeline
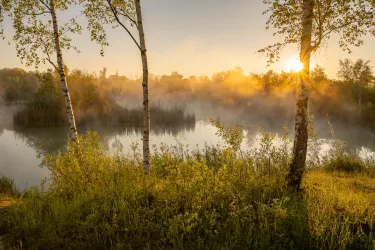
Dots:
{"x": 270, "y": 96}
{"x": 95, "y": 100}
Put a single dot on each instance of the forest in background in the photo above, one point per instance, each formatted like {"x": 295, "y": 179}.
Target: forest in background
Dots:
{"x": 230, "y": 96}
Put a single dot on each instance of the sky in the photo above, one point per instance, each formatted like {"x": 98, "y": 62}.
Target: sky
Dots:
{"x": 193, "y": 37}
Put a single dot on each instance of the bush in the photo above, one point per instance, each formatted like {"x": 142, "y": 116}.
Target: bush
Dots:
{"x": 212, "y": 198}
{"x": 99, "y": 201}
{"x": 46, "y": 107}
{"x": 345, "y": 163}
{"x": 7, "y": 188}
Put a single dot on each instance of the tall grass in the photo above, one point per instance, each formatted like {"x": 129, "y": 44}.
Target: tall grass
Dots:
{"x": 161, "y": 116}
{"x": 341, "y": 210}
{"x": 8, "y": 189}
{"x": 212, "y": 198}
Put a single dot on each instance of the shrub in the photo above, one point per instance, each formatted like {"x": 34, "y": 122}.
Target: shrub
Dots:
{"x": 46, "y": 107}
{"x": 212, "y": 198}
{"x": 345, "y": 163}
{"x": 100, "y": 201}
{"x": 7, "y": 188}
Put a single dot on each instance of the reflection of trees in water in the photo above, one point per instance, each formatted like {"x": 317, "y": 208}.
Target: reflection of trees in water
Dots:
{"x": 107, "y": 133}
{"x": 48, "y": 140}
{"x": 355, "y": 136}
{"x": 44, "y": 140}
{"x": 274, "y": 114}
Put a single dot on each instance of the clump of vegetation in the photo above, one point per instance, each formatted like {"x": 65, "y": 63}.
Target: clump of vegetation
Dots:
{"x": 101, "y": 201}
{"x": 211, "y": 198}
{"x": 45, "y": 108}
{"x": 8, "y": 189}
{"x": 341, "y": 214}
{"x": 345, "y": 163}
{"x": 340, "y": 159}
{"x": 161, "y": 116}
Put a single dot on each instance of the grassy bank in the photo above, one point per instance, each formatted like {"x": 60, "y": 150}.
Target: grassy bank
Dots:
{"x": 213, "y": 198}
{"x": 8, "y": 190}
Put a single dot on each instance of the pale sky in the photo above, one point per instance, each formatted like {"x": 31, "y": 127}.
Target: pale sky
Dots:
{"x": 193, "y": 37}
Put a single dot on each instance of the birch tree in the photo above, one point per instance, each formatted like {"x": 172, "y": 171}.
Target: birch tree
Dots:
{"x": 38, "y": 37}
{"x": 126, "y": 14}
{"x": 318, "y": 21}
{"x": 1, "y": 17}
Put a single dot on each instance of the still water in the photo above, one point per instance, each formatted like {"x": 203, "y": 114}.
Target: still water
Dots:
{"x": 22, "y": 151}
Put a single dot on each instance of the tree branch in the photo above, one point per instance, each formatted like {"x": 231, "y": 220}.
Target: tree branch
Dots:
{"x": 122, "y": 25}
{"x": 53, "y": 64}
{"x": 37, "y": 14}
{"x": 127, "y": 16}
{"x": 321, "y": 37}
{"x": 48, "y": 55}
{"x": 45, "y": 4}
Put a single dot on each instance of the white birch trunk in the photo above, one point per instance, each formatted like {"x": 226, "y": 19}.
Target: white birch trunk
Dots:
{"x": 360, "y": 97}
{"x": 60, "y": 65}
{"x": 297, "y": 167}
{"x": 146, "y": 108}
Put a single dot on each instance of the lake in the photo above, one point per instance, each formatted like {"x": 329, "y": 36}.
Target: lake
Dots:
{"x": 22, "y": 150}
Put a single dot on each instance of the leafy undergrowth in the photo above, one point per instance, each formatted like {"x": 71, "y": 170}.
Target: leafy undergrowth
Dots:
{"x": 215, "y": 198}
{"x": 8, "y": 190}
{"x": 341, "y": 209}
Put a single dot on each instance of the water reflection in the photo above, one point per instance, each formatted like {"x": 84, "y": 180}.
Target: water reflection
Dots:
{"x": 20, "y": 161}
{"x": 22, "y": 150}
{"x": 43, "y": 141}
{"x": 47, "y": 140}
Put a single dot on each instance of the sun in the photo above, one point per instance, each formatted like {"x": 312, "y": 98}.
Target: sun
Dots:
{"x": 294, "y": 65}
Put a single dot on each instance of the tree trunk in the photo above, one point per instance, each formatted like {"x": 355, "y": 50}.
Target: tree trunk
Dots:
{"x": 360, "y": 98}
{"x": 60, "y": 65}
{"x": 146, "y": 108}
{"x": 297, "y": 166}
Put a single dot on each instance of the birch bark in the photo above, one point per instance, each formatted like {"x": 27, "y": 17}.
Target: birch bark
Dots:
{"x": 360, "y": 97}
{"x": 297, "y": 166}
{"x": 60, "y": 65}
{"x": 146, "y": 108}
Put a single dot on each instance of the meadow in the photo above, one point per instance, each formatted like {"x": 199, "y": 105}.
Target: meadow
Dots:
{"x": 216, "y": 197}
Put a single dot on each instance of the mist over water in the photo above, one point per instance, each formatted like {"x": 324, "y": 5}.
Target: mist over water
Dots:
{"x": 255, "y": 101}
{"x": 22, "y": 149}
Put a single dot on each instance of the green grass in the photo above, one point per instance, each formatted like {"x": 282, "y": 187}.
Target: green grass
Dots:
{"x": 8, "y": 189}
{"x": 213, "y": 198}
{"x": 341, "y": 209}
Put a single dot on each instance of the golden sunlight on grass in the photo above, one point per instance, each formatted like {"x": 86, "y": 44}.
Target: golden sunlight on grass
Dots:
{"x": 338, "y": 201}
{"x": 294, "y": 65}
